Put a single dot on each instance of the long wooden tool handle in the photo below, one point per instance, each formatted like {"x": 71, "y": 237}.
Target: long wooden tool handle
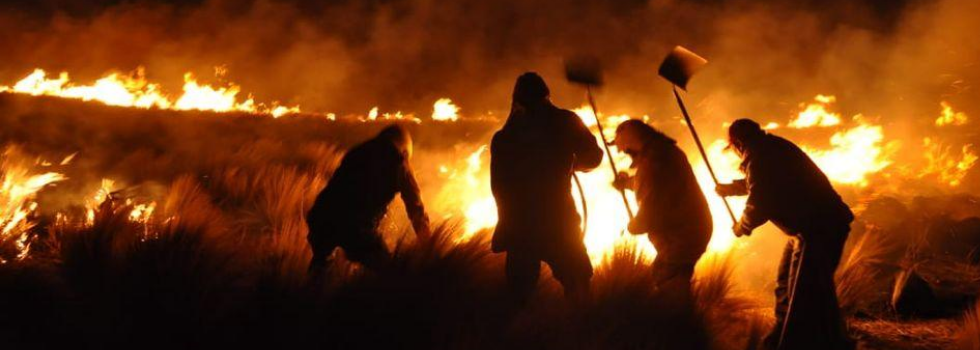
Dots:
{"x": 612, "y": 163}
{"x": 704, "y": 155}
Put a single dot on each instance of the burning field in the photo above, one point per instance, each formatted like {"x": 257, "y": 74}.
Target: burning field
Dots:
{"x": 154, "y": 181}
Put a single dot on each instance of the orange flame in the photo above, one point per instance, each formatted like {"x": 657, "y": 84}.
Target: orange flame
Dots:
{"x": 135, "y": 91}
{"x": 947, "y": 165}
{"x": 18, "y": 189}
{"x": 816, "y": 114}
{"x": 444, "y": 110}
{"x": 950, "y": 117}
{"x": 856, "y": 153}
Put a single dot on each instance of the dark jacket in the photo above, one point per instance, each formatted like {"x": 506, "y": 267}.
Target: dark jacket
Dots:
{"x": 531, "y": 163}
{"x": 360, "y": 190}
{"x": 787, "y": 188}
{"x": 673, "y": 210}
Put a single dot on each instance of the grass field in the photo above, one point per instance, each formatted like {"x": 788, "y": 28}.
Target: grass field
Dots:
{"x": 222, "y": 260}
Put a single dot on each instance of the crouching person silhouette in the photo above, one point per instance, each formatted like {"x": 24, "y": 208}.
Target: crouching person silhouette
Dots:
{"x": 531, "y": 163}
{"x": 673, "y": 211}
{"x": 347, "y": 212}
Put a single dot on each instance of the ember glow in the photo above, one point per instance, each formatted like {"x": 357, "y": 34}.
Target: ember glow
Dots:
{"x": 18, "y": 190}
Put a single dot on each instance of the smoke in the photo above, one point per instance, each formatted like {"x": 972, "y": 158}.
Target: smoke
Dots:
{"x": 348, "y": 56}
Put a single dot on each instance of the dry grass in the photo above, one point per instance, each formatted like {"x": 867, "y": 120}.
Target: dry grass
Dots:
{"x": 890, "y": 334}
{"x": 223, "y": 262}
{"x": 864, "y": 275}
{"x": 723, "y": 307}
{"x": 968, "y": 335}
{"x": 211, "y": 280}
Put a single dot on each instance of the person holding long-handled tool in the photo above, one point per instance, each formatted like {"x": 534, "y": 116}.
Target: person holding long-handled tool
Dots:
{"x": 784, "y": 186}
{"x": 673, "y": 211}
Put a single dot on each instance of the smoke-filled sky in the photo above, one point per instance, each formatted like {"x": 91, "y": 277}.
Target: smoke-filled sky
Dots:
{"x": 348, "y": 56}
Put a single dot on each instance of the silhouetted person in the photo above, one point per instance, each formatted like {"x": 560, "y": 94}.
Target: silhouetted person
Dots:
{"x": 784, "y": 186}
{"x": 673, "y": 211}
{"x": 347, "y": 212}
{"x": 531, "y": 163}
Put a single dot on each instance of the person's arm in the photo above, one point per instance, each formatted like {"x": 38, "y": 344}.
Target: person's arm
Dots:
{"x": 646, "y": 197}
{"x": 588, "y": 155}
{"x": 736, "y": 188}
{"x": 624, "y": 181}
{"x": 409, "y": 189}
{"x": 642, "y": 222}
{"x": 760, "y": 186}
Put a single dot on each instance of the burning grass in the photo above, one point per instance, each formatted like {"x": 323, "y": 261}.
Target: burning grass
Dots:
{"x": 221, "y": 260}
{"x": 207, "y": 283}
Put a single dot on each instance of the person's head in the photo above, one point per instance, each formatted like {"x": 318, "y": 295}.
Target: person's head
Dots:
{"x": 530, "y": 89}
{"x": 398, "y": 136}
{"x": 743, "y": 133}
{"x": 633, "y": 135}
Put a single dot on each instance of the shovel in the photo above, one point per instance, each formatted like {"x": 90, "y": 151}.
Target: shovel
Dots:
{"x": 587, "y": 71}
{"x": 678, "y": 68}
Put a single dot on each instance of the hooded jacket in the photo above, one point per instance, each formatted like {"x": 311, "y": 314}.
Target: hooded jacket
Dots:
{"x": 531, "y": 163}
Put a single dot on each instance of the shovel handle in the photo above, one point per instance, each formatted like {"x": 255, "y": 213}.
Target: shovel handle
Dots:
{"x": 612, "y": 163}
{"x": 704, "y": 154}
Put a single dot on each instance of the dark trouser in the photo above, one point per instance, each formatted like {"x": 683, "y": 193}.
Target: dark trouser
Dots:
{"x": 570, "y": 266}
{"x": 672, "y": 279}
{"x": 814, "y": 318}
{"x": 360, "y": 244}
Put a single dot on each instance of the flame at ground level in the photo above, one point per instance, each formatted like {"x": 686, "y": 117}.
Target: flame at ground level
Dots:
{"x": 18, "y": 189}
{"x": 607, "y": 216}
{"x": 855, "y": 153}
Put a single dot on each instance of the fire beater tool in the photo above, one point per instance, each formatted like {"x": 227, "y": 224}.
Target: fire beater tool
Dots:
{"x": 587, "y": 71}
{"x": 678, "y": 68}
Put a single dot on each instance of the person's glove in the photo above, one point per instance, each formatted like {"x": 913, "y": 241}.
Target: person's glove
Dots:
{"x": 622, "y": 181}
{"x": 725, "y": 190}
{"x": 741, "y": 230}
{"x": 633, "y": 228}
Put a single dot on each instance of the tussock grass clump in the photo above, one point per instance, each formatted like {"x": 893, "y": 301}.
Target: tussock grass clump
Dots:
{"x": 178, "y": 274}
{"x": 968, "y": 336}
{"x": 865, "y": 272}
{"x": 735, "y": 321}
